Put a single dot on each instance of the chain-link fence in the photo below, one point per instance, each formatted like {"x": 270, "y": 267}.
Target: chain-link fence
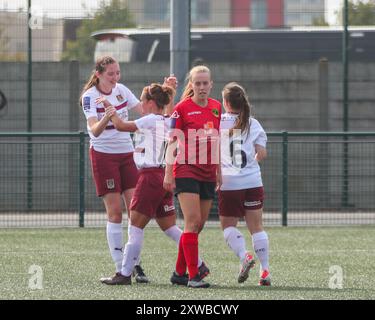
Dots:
{"x": 288, "y": 54}
{"x": 308, "y": 178}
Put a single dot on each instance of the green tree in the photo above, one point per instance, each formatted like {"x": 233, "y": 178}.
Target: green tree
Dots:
{"x": 320, "y": 22}
{"x": 112, "y": 15}
{"x": 361, "y": 13}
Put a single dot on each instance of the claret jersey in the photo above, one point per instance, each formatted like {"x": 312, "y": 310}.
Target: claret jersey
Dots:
{"x": 110, "y": 140}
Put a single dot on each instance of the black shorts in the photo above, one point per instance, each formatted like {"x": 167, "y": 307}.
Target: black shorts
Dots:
{"x": 206, "y": 190}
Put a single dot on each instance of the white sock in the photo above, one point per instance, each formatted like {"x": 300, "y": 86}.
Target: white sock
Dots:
{"x": 261, "y": 248}
{"x": 115, "y": 243}
{"x": 138, "y": 262}
{"x": 235, "y": 241}
{"x": 132, "y": 250}
{"x": 175, "y": 233}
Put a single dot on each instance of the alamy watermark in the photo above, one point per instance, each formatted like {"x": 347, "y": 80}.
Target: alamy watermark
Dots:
{"x": 336, "y": 280}
{"x": 203, "y": 146}
{"x": 36, "y": 19}
{"x": 36, "y": 279}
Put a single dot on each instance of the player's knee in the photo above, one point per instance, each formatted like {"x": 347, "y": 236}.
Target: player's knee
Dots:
{"x": 192, "y": 226}
{"x": 115, "y": 217}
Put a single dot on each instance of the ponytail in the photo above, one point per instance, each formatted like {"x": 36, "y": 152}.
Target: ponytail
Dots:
{"x": 239, "y": 101}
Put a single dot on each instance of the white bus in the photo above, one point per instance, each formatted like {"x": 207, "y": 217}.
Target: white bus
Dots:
{"x": 239, "y": 44}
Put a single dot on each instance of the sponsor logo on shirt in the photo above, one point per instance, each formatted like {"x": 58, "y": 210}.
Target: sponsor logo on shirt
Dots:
{"x": 194, "y": 112}
{"x": 86, "y": 103}
{"x": 119, "y": 98}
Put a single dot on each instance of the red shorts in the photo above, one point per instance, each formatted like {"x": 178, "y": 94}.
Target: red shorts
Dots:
{"x": 150, "y": 198}
{"x": 113, "y": 172}
{"x": 234, "y": 203}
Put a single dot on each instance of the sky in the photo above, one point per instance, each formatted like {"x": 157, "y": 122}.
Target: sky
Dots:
{"x": 75, "y": 8}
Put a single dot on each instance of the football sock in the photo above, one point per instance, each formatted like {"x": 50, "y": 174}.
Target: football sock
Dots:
{"x": 261, "y": 248}
{"x": 138, "y": 262}
{"x": 181, "y": 262}
{"x": 115, "y": 243}
{"x": 132, "y": 250}
{"x": 235, "y": 240}
{"x": 175, "y": 233}
{"x": 190, "y": 245}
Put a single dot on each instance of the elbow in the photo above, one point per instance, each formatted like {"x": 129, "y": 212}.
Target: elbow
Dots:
{"x": 95, "y": 133}
{"x": 262, "y": 156}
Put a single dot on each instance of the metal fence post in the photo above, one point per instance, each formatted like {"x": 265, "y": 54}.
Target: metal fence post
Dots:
{"x": 29, "y": 111}
{"x": 81, "y": 179}
{"x": 285, "y": 180}
{"x": 345, "y": 62}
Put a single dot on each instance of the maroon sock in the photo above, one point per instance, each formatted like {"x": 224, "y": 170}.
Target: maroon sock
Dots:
{"x": 181, "y": 262}
{"x": 190, "y": 246}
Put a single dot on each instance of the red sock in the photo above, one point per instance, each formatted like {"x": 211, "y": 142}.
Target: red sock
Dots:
{"x": 190, "y": 245}
{"x": 181, "y": 262}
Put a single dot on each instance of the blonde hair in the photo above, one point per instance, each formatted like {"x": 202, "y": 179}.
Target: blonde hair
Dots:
{"x": 100, "y": 66}
{"x": 188, "y": 90}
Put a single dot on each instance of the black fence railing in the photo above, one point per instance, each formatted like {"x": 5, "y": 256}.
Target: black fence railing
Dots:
{"x": 319, "y": 178}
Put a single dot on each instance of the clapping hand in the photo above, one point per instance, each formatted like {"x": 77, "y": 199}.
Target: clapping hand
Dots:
{"x": 171, "y": 81}
{"x": 103, "y": 100}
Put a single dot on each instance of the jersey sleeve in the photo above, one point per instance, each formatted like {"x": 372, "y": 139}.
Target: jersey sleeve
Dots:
{"x": 144, "y": 123}
{"x": 89, "y": 105}
{"x": 176, "y": 118}
{"x": 261, "y": 138}
{"x": 132, "y": 99}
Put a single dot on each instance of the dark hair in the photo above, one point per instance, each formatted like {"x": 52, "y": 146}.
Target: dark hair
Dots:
{"x": 100, "y": 66}
{"x": 239, "y": 101}
{"x": 161, "y": 94}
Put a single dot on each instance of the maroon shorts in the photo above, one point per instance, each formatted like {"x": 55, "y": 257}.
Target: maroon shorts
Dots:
{"x": 113, "y": 172}
{"x": 234, "y": 203}
{"x": 150, "y": 198}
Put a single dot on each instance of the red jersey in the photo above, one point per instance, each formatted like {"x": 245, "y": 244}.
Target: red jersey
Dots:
{"x": 198, "y": 139}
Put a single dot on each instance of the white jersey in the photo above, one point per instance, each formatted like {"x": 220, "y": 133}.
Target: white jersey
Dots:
{"x": 150, "y": 140}
{"x": 239, "y": 168}
{"x": 110, "y": 140}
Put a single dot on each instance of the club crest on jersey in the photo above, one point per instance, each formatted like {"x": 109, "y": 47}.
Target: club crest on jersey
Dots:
{"x": 215, "y": 112}
{"x": 119, "y": 98}
{"x": 110, "y": 184}
{"x": 86, "y": 103}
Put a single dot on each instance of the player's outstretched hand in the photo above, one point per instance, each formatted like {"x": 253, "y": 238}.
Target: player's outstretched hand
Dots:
{"x": 171, "y": 81}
